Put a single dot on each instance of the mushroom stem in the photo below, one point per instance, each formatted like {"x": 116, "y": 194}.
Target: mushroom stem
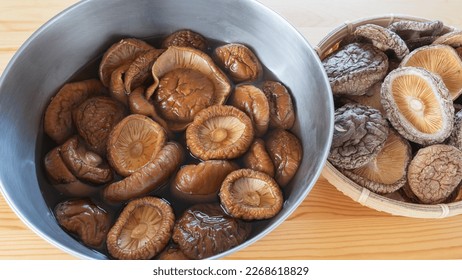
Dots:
{"x": 219, "y": 134}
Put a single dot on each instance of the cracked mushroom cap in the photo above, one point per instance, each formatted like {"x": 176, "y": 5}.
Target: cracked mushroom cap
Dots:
{"x": 186, "y": 81}
{"x": 418, "y": 105}
{"x": 360, "y": 133}
{"x": 354, "y": 68}
{"x": 409, "y": 29}
{"x": 58, "y": 122}
{"x": 142, "y": 230}
{"x": 219, "y": 132}
{"x": 383, "y": 39}
{"x": 134, "y": 142}
{"x": 387, "y": 172}
{"x": 455, "y": 139}
{"x": 239, "y": 61}
{"x": 442, "y": 60}
{"x": 185, "y": 38}
{"x": 251, "y": 100}
{"x": 139, "y": 71}
{"x": 120, "y": 53}
{"x": 251, "y": 195}
{"x": 84, "y": 164}
{"x": 435, "y": 172}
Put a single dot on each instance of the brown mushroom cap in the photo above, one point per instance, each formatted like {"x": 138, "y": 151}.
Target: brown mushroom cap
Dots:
{"x": 250, "y": 195}
{"x": 149, "y": 177}
{"x": 409, "y": 29}
{"x": 58, "y": 115}
{"x": 453, "y": 39}
{"x": 84, "y": 164}
{"x": 251, "y": 100}
{"x": 95, "y": 119}
{"x": 219, "y": 132}
{"x": 85, "y": 219}
{"x": 418, "y": 105}
{"x": 139, "y": 71}
{"x": 205, "y": 230}
{"x": 383, "y": 39}
{"x": 120, "y": 53}
{"x": 455, "y": 139}
{"x": 185, "y": 38}
{"x": 435, "y": 172}
{"x": 116, "y": 84}
{"x": 442, "y": 60}
{"x": 134, "y": 142}
{"x": 200, "y": 183}
{"x": 172, "y": 252}
{"x": 282, "y": 113}
{"x": 258, "y": 159}
{"x": 142, "y": 230}
{"x": 239, "y": 61}
{"x": 354, "y": 68}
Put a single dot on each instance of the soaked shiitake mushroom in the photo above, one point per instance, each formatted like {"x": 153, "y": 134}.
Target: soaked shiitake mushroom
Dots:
{"x": 172, "y": 252}
{"x": 418, "y": 105}
{"x": 240, "y": 62}
{"x": 205, "y": 230}
{"x": 442, "y": 60}
{"x": 200, "y": 183}
{"x": 149, "y": 177}
{"x": 84, "y": 164}
{"x": 186, "y": 81}
{"x": 286, "y": 152}
{"x": 142, "y": 230}
{"x": 84, "y": 219}
{"x": 435, "y": 172}
{"x": 120, "y": 53}
{"x": 252, "y": 101}
{"x": 257, "y": 158}
{"x": 185, "y": 38}
{"x": 282, "y": 113}
{"x": 383, "y": 39}
{"x": 360, "y": 133}
{"x": 134, "y": 142}
{"x": 219, "y": 132}
{"x": 387, "y": 172}
{"x": 354, "y": 68}
{"x": 116, "y": 84}
{"x": 250, "y": 195}
{"x": 62, "y": 178}
{"x": 58, "y": 122}
{"x": 139, "y": 71}
{"x": 94, "y": 120}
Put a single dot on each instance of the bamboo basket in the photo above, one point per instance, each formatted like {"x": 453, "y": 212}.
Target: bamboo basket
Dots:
{"x": 359, "y": 194}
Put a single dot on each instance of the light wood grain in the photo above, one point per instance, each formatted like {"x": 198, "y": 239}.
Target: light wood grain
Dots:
{"x": 327, "y": 225}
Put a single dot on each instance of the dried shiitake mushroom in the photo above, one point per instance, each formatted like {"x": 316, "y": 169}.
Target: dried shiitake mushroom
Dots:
{"x": 354, "y": 68}
{"x": 85, "y": 219}
{"x": 142, "y": 230}
{"x": 239, "y": 61}
{"x": 410, "y": 29}
{"x": 185, "y": 38}
{"x": 282, "y": 113}
{"x": 250, "y": 195}
{"x": 453, "y": 39}
{"x": 134, "y": 142}
{"x": 286, "y": 151}
{"x": 455, "y": 139}
{"x": 62, "y": 178}
{"x": 139, "y": 71}
{"x": 419, "y": 42}
{"x": 258, "y": 159}
{"x": 418, "y": 105}
{"x": 387, "y": 172}
{"x": 219, "y": 132}
{"x": 84, "y": 164}
{"x": 120, "y": 53}
{"x": 371, "y": 98}
{"x": 186, "y": 81}
{"x": 383, "y": 39}
{"x": 58, "y": 115}
{"x": 94, "y": 120}
{"x": 252, "y": 101}
{"x": 442, "y": 60}
{"x": 149, "y": 177}
{"x": 205, "y": 230}
{"x": 360, "y": 133}
{"x": 200, "y": 183}
{"x": 435, "y": 172}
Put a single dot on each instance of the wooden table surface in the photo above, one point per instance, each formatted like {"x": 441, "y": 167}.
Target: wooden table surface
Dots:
{"x": 327, "y": 225}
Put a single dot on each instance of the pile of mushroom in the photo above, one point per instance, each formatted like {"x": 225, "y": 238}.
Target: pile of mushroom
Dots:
{"x": 396, "y": 90}
{"x": 173, "y": 151}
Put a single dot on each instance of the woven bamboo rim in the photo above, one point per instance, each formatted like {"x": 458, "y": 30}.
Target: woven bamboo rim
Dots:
{"x": 347, "y": 186}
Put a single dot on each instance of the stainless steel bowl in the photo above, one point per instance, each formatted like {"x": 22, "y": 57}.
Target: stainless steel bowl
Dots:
{"x": 78, "y": 35}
